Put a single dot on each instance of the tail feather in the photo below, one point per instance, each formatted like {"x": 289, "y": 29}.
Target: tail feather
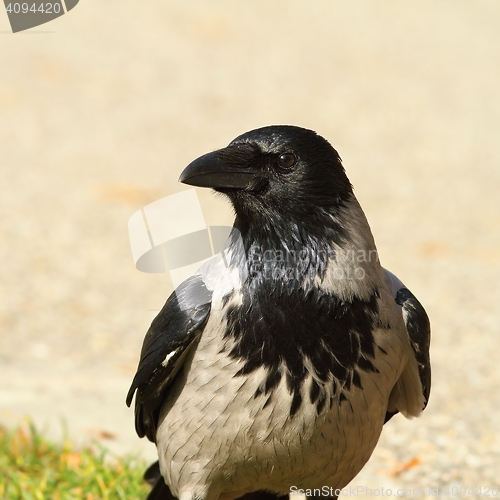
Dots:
{"x": 160, "y": 490}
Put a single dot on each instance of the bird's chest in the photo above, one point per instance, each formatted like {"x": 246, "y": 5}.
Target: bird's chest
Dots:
{"x": 279, "y": 398}
{"x": 304, "y": 335}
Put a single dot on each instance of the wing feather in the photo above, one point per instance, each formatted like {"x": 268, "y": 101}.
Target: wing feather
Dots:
{"x": 170, "y": 337}
{"x": 411, "y": 393}
{"x": 419, "y": 330}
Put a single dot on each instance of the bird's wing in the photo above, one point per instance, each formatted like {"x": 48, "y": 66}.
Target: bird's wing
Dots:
{"x": 171, "y": 335}
{"x": 419, "y": 332}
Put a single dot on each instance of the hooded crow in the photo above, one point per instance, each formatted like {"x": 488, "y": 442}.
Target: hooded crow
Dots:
{"x": 277, "y": 364}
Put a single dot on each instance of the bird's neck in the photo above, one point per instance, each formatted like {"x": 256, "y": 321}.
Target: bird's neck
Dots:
{"x": 333, "y": 252}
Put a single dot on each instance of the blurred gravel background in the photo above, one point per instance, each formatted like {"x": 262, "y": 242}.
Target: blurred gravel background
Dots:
{"x": 102, "y": 108}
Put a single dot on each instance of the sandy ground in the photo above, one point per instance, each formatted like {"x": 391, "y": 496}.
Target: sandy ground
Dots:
{"x": 102, "y": 108}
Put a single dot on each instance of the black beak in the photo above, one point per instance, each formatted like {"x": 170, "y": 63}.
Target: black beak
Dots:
{"x": 224, "y": 168}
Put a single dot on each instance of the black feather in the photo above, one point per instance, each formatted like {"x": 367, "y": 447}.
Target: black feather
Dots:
{"x": 419, "y": 329}
{"x": 174, "y": 330}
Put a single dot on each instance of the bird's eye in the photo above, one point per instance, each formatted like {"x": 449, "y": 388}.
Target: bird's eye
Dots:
{"x": 286, "y": 160}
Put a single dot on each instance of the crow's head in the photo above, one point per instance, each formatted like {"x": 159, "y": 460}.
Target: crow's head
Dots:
{"x": 278, "y": 172}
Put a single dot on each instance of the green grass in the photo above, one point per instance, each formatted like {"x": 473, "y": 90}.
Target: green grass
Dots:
{"x": 33, "y": 467}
